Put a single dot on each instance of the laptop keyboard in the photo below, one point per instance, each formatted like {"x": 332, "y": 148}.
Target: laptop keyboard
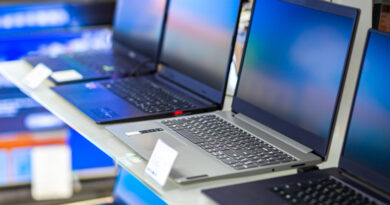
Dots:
{"x": 146, "y": 95}
{"x": 324, "y": 191}
{"x": 228, "y": 143}
{"x": 103, "y": 63}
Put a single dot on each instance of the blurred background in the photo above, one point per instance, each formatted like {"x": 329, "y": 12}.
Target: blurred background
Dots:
{"x": 31, "y": 28}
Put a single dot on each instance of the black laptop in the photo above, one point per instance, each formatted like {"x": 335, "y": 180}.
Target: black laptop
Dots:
{"x": 363, "y": 176}
{"x": 138, "y": 28}
{"x": 192, "y": 74}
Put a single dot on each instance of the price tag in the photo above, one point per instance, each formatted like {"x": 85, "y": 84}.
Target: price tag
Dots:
{"x": 51, "y": 172}
{"x": 36, "y": 77}
{"x": 66, "y": 75}
{"x": 161, "y": 162}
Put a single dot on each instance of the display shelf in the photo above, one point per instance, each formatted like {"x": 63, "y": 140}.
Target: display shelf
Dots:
{"x": 172, "y": 192}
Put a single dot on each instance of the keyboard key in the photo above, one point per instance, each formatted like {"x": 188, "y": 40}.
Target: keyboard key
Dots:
{"x": 229, "y": 160}
{"x": 193, "y": 138}
{"x": 251, "y": 165}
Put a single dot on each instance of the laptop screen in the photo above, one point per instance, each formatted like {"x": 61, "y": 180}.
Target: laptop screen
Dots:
{"x": 138, "y": 25}
{"x": 292, "y": 72}
{"x": 129, "y": 190}
{"x": 197, "y": 45}
{"x": 367, "y": 144}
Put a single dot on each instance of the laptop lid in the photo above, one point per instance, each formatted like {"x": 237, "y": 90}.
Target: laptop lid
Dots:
{"x": 129, "y": 190}
{"x": 138, "y": 26}
{"x": 198, "y": 44}
{"x": 366, "y": 152}
{"x": 293, "y": 70}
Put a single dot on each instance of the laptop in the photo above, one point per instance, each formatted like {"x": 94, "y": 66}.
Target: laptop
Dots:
{"x": 137, "y": 32}
{"x": 192, "y": 75}
{"x": 129, "y": 190}
{"x": 363, "y": 176}
{"x": 284, "y": 108}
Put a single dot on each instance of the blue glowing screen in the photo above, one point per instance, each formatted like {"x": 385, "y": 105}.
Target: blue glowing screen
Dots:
{"x": 294, "y": 64}
{"x": 198, "y": 39}
{"x": 129, "y": 190}
{"x": 368, "y": 139}
{"x": 138, "y": 24}
{"x": 82, "y": 150}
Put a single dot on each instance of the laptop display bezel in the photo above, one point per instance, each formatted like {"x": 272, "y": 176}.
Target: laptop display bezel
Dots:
{"x": 169, "y": 72}
{"x": 319, "y": 145}
{"x": 349, "y": 166}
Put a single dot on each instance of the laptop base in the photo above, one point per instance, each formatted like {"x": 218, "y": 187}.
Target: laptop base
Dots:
{"x": 263, "y": 192}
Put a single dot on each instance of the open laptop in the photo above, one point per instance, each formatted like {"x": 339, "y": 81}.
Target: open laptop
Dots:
{"x": 129, "y": 190}
{"x": 137, "y": 33}
{"x": 193, "y": 71}
{"x": 284, "y": 108}
{"x": 363, "y": 176}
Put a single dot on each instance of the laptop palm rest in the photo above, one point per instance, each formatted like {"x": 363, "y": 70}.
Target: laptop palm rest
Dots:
{"x": 144, "y": 144}
{"x": 189, "y": 164}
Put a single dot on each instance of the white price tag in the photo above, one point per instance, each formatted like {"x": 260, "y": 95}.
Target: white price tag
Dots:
{"x": 51, "y": 172}
{"x": 161, "y": 162}
{"x": 35, "y": 77}
{"x": 66, "y": 75}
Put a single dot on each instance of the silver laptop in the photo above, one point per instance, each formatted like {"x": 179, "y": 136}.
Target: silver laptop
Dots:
{"x": 284, "y": 108}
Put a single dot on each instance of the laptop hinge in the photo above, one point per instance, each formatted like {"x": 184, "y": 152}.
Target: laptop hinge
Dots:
{"x": 184, "y": 89}
{"x": 307, "y": 169}
{"x": 302, "y": 148}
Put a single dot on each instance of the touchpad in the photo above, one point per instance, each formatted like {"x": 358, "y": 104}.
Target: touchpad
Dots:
{"x": 144, "y": 144}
